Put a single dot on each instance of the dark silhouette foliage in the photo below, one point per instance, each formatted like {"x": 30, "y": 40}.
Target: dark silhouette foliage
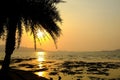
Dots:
{"x": 42, "y": 13}
{"x": 34, "y": 15}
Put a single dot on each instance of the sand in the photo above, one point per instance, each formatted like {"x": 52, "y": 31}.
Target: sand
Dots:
{"x": 15, "y": 74}
{"x": 30, "y": 69}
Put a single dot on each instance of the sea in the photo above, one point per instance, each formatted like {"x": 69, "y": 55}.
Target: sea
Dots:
{"x": 66, "y": 55}
{"x": 68, "y": 65}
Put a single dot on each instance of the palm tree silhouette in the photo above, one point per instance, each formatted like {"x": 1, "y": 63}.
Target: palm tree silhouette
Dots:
{"x": 34, "y": 14}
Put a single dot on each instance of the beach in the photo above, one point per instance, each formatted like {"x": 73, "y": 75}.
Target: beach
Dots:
{"x": 16, "y": 74}
{"x": 68, "y": 66}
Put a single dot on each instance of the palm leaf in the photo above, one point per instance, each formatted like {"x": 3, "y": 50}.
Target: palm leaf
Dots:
{"x": 36, "y": 14}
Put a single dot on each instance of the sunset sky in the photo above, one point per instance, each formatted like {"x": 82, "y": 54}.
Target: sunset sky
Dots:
{"x": 88, "y": 25}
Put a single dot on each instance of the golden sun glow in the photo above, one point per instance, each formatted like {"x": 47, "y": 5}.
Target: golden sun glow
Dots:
{"x": 40, "y": 73}
{"x": 40, "y": 34}
{"x": 40, "y": 60}
{"x": 41, "y": 56}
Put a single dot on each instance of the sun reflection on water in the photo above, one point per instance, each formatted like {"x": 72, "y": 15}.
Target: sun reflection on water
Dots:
{"x": 40, "y": 59}
{"x": 43, "y": 74}
{"x": 41, "y": 56}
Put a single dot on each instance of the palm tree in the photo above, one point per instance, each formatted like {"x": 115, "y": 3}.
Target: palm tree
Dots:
{"x": 34, "y": 15}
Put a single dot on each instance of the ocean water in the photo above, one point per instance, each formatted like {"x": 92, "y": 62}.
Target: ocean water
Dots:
{"x": 71, "y": 56}
{"x": 63, "y": 65}
{"x": 66, "y": 56}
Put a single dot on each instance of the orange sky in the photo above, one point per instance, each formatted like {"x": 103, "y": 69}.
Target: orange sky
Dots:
{"x": 88, "y": 25}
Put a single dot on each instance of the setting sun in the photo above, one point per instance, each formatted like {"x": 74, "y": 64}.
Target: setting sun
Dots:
{"x": 40, "y": 34}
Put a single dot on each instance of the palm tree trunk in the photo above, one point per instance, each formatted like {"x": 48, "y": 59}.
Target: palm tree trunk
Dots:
{"x": 10, "y": 45}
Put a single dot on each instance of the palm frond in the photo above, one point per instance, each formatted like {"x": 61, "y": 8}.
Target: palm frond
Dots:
{"x": 35, "y": 13}
{"x": 45, "y": 15}
{"x": 2, "y": 27}
{"x": 19, "y": 33}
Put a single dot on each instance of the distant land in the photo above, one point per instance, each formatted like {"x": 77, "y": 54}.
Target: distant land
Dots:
{"x": 116, "y": 50}
{"x": 24, "y": 49}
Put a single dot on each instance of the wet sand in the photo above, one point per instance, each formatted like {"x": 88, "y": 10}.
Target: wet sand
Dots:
{"x": 69, "y": 70}
{"x": 15, "y": 74}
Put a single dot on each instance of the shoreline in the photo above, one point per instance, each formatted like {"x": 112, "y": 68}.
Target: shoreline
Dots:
{"x": 73, "y": 70}
{"x": 16, "y": 74}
